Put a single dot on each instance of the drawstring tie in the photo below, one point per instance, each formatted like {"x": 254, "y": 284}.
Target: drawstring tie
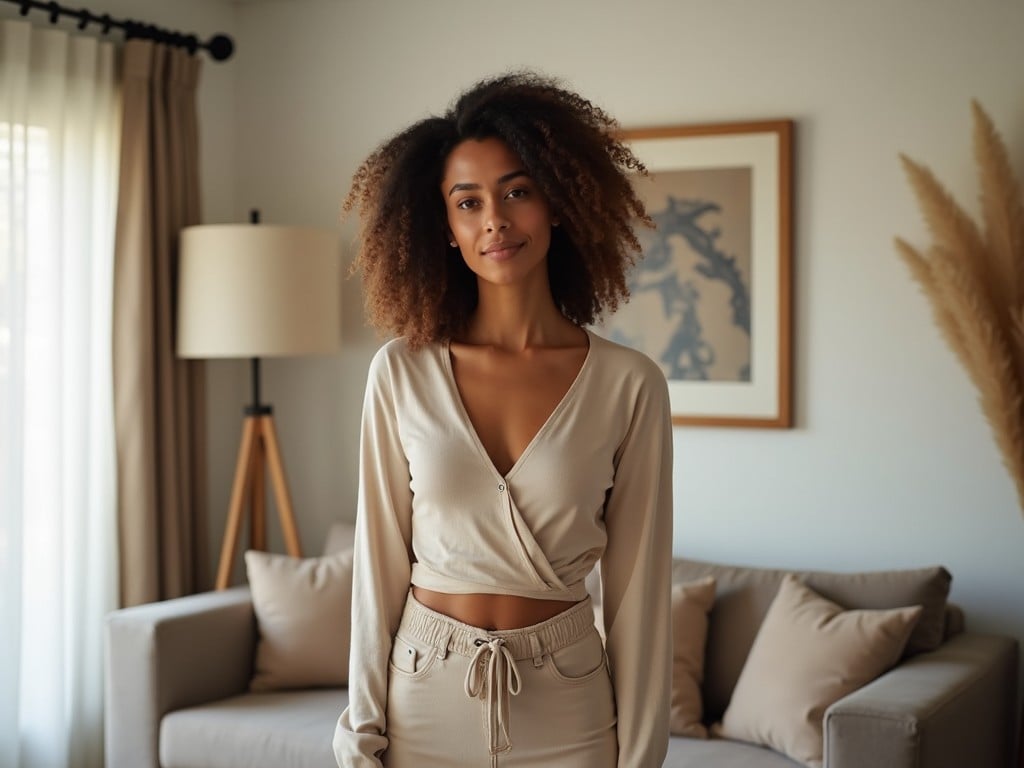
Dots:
{"x": 501, "y": 672}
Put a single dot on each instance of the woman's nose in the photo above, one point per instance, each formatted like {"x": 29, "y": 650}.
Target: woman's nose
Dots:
{"x": 496, "y": 219}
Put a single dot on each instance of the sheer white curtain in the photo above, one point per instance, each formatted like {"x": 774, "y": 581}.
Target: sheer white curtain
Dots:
{"x": 58, "y": 177}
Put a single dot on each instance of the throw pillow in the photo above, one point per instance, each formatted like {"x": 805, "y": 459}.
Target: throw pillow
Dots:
{"x": 743, "y": 594}
{"x": 303, "y": 609}
{"x": 691, "y": 602}
{"x": 808, "y": 654}
{"x": 340, "y": 536}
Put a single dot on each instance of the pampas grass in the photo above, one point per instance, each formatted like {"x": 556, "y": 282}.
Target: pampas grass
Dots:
{"x": 974, "y": 279}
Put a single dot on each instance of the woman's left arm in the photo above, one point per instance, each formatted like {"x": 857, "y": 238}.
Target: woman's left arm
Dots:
{"x": 636, "y": 572}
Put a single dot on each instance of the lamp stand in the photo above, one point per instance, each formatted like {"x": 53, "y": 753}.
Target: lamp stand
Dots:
{"x": 259, "y": 449}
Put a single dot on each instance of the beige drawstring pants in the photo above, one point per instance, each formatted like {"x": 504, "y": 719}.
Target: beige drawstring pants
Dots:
{"x": 463, "y": 696}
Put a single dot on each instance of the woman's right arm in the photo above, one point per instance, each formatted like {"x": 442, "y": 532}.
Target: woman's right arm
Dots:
{"x": 381, "y": 575}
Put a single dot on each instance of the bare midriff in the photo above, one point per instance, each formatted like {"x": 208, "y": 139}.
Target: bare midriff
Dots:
{"x": 491, "y": 612}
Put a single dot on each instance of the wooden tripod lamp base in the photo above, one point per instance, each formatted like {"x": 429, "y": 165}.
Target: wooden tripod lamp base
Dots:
{"x": 259, "y": 449}
{"x": 252, "y": 291}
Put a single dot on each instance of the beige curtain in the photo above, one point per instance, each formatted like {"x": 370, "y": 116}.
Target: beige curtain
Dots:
{"x": 158, "y": 399}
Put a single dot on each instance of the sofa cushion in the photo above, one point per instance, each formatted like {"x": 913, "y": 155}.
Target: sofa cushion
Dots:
{"x": 719, "y": 753}
{"x": 743, "y": 595}
{"x": 303, "y": 613}
{"x": 808, "y": 654}
{"x": 257, "y": 730}
{"x": 691, "y": 602}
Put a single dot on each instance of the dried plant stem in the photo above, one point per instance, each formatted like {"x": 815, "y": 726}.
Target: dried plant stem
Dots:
{"x": 921, "y": 270}
{"x": 1003, "y": 215}
{"x": 990, "y": 366}
{"x": 975, "y": 284}
{"x": 1001, "y": 210}
{"x": 950, "y": 226}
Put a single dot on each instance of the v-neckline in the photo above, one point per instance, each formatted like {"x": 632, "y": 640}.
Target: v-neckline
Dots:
{"x": 446, "y": 360}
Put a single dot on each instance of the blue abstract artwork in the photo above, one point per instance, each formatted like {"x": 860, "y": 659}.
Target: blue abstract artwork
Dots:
{"x": 690, "y": 305}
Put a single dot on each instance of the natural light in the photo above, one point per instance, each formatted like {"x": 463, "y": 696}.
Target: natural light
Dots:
{"x": 58, "y": 174}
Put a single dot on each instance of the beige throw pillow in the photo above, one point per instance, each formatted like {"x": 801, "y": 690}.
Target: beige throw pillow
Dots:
{"x": 808, "y": 654}
{"x": 691, "y": 602}
{"x": 340, "y": 536}
{"x": 303, "y": 609}
{"x": 743, "y": 594}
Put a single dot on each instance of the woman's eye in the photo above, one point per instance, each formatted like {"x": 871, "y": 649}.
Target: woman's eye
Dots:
{"x": 517, "y": 192}
{"x": 466, "y": 204}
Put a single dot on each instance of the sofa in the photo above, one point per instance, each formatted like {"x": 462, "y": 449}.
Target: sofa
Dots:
{"x": 178, "y": 684}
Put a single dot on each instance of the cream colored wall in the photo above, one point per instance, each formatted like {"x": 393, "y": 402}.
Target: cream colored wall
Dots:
{"x": 890, "y": 463}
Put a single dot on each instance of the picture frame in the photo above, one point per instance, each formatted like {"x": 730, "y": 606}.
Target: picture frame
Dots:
{"x": 711, "y": 294}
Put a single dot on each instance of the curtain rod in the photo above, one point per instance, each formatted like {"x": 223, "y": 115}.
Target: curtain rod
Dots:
{"x": 220, "y": 46}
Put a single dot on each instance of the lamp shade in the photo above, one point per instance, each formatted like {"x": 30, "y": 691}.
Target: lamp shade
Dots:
{"x": 258, "y": 290}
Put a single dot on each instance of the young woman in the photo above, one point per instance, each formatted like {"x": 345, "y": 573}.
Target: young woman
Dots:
{"x": 506, "y": 449}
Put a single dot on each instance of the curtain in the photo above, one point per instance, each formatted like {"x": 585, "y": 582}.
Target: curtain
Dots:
{"x": 58, "y": 557}
{"x": 158, "y": 399}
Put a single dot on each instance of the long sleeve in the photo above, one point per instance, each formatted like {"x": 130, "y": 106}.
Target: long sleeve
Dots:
{"x": 381, "y": 571}
{"x": 636, "y": 580}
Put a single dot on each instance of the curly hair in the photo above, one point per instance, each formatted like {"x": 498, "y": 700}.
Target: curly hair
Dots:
{"x": 418, "y": 287}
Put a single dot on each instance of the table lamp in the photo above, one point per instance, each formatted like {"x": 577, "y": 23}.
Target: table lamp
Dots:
{"x": 257, "y": 290}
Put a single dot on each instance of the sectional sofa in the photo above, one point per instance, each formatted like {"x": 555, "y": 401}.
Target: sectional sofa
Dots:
{"x": 179, "y": 672}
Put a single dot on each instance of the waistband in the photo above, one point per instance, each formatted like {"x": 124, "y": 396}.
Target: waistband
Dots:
{"x": 447, "y": 634}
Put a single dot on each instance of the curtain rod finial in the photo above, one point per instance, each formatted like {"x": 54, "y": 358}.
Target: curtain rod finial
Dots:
{"x": 221, "y": 47}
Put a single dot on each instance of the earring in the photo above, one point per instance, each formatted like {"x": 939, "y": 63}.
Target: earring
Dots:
{"x": 453, "y": 244}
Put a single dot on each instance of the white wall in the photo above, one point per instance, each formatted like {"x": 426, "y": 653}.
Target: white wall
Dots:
{"x": 890, "y": 464}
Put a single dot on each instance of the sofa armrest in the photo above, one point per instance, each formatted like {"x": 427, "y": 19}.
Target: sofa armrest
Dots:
{"x": 949, "y": 708}
{"x": 169, "y": 655}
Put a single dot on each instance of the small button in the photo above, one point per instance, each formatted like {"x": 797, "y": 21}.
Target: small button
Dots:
{"x": 501, "y": 486}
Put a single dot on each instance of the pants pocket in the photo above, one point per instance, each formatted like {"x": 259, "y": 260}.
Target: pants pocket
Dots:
{"x": 579, "y": 662}
{"x": 411, "y": 657}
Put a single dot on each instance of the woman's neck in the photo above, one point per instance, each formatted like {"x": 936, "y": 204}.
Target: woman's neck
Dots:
{"x": 517, "y": 317}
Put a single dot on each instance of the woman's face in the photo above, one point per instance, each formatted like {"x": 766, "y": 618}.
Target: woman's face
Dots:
{"x": 497, "y": 214}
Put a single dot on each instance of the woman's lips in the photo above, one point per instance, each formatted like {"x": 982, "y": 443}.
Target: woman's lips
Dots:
{"x": 502, "y": 251}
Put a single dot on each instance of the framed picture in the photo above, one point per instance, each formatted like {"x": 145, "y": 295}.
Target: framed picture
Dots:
{"x": 710, "y": 297}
